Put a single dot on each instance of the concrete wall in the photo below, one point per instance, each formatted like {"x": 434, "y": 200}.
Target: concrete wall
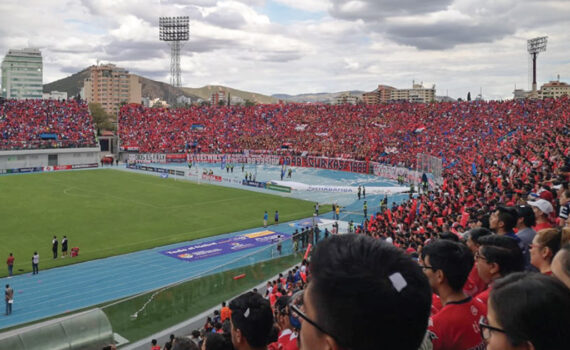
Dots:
{"x": 39, "y": 157}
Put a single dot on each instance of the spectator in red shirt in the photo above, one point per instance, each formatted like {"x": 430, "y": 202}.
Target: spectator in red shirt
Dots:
{"x": 447, "y": 265}
{"x": 288, "y": 325}
{"x": 544, "y": 247}
{"x": 527, "y": 311}
{"x": 474, "y": 284}
{"x": 542, "y": 209}
{"x": 497, "y": 257}
{"x": 10, "y": 263}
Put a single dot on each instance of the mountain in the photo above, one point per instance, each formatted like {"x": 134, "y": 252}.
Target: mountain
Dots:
{"x": 320, "y": 97}
{"x": 72, "y": 84}
{"x": 156, "y": 89}
{"x": 206, "y": 91}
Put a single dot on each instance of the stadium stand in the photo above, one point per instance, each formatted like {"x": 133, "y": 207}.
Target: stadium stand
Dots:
{"x": 39, "y": 124}
{"x": 498, "y": 157}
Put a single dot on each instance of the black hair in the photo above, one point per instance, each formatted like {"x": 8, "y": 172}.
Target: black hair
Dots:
{"x": 252, "y": 315}
{"x": 183, "y": 343}
{"x": 352, "y": 284}
{"x": 215, "y": 341}
{"x": 476, "y": 233}
{"x": 508, "y": 216}
{"x": 454, "y": 259}
{"x": 504, "y": 251}
{"x": 526, "y": 212}
{"x": 532, "y": 307}
{"x": 449, "y": 237}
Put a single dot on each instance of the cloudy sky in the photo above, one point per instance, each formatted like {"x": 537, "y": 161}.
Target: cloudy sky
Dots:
{"x": 303, "y": 46}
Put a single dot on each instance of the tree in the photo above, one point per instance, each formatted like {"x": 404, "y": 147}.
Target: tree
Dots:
{"x": 101, "y": 119}
{"x": 469, "y": 96}
{"x": 249, "y": 103}
{"x": 221, "y": 103}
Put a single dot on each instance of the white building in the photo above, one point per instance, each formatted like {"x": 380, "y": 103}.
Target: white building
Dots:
{"x": 22, "y": 74}
{"x": 347, "y": 99}
{"x": 418, "y": 93}
{"x": 55, "y": 95}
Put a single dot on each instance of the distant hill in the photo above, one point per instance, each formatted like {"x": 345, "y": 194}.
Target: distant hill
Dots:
{"x": 206, "y": 91}
{"x": 321, "y": 97}
{"x": 156, "y": 89}
{"x": 72, "y": 84}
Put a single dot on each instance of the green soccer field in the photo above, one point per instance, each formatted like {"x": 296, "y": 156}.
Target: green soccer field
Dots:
{"x": 109, "y": 212}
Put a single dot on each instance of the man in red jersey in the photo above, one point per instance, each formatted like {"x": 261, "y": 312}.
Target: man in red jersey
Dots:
{"x": 455, "y": 327}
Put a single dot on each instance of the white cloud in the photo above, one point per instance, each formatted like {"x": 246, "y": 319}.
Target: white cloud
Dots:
{"x": 459, "y": 45}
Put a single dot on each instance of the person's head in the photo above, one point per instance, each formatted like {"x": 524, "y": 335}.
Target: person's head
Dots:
{"x": 542, "y": 208}
{"x": 446, "y": 264}
{"x": 223, "y": 304}
{"x": 215, "y": 341}
{"x": 526, "y": 216}
{"x": 503, "y": 219}
{"x": 7, "y": 286}
{"x": 10, "y": 254}
{"x": 474, "y": 236}
{"x": 497, "y": 257}
{"x": 518, "y": 307}
{"x": 251, "y": 320}
{"x": 184, "y": 343}
{"x": 358, "y": 280}
{"x": 561, "y": 265}
{"x": 153, "y": 342}
{"x": 546, "y": 244}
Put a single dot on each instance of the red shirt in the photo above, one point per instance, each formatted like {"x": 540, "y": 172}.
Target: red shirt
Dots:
{"x": 456, "y": 326}
{"x": 435, "y": 304}
{"x": 10, "y": 261}
{"x": 542, "y": 226}
{"x": 474, "y": 284}
{"x": 483, "y": 297}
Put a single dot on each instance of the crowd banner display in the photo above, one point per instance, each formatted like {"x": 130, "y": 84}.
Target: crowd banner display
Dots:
{"x": 147, "y": 158}
{"x": 431, "y": 165}
{"x": 392, "y": 173}
{"x": 156, "y": 169}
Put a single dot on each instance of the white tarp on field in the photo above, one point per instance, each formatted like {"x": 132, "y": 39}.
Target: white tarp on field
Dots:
{"x": 299, "y": 186}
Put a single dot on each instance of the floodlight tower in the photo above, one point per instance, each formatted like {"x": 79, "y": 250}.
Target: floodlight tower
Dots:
{"x": 534, "y": 46}
{"x": 173, "y": 30}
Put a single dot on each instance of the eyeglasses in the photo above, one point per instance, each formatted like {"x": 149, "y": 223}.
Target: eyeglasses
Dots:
{"x": 426, "y": 267}
{"x": 297, "y": 306}
{"x": 486, "y": 329}
{"x": 478, "y": 256}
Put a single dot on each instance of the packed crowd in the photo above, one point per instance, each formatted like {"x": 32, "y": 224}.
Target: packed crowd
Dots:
{"x": 389, "y": 133}
{"x": 33, "y": 124}
{"x": 482, "y": 261}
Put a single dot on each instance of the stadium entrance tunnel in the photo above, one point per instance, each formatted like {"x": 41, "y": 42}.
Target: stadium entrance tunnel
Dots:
{"x": 86, "y": 330}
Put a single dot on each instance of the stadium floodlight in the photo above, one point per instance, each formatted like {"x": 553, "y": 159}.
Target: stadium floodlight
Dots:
{"x": 173, "y": 30}
{"x": 534, "y": 46}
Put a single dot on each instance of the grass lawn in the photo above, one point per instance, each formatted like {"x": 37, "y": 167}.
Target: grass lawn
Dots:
{"x": 108, "y": 212}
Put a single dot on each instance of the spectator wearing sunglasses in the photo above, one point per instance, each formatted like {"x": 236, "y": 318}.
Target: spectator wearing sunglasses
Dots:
{"x": 363, "y": 294}
{"x": 497, "y": 257}
{"x": 251, "y": 322}
{"x": 447, "y": 265}
{"x": 544, "y": 247}
{"x": 527, "y": 311}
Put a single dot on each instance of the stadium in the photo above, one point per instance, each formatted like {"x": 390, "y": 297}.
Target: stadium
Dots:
{"x": 165, "y": 203}
{"x": 142, "y": 215}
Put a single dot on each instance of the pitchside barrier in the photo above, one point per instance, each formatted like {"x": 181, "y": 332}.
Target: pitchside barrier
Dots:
{"x": 425, "y": 164}
{"x": 136, "y": 317}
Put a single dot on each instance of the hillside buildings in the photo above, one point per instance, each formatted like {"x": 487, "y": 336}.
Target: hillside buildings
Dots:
{"x": 552, "y": 89}
{"x": 22, "y": 74}
{"x": 111, "y": 86}
{"x": 384, "y": 94}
